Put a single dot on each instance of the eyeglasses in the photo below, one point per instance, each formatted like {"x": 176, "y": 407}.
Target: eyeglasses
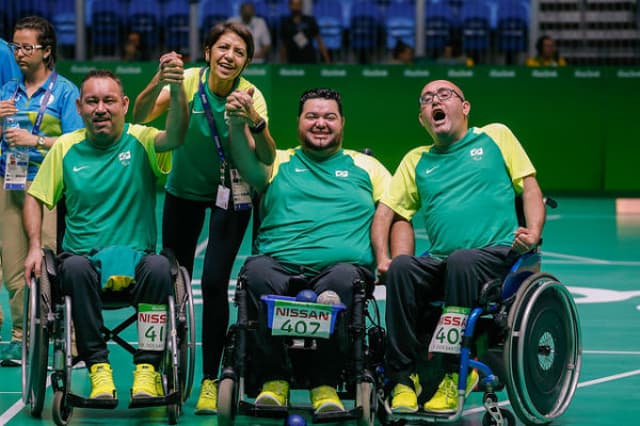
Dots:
{"x": 26, "y": 48}
{"x": 443, "y": 94}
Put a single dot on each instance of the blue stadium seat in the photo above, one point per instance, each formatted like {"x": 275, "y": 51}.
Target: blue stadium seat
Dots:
{"x": 107, "y": 24}
{"x": 144, "y": 18}
{"x": 175, "y": 20}
{"x": 476, "y": 28}
{"x": 366, "y": 26}
{"x": 22, "y": 8}
{"x": 401, "y": 23}
{"x": 63, "y": 19}
{"x": 328, "y": 13}
{"x": 213, "y": 12}
{"x": 512, "y": 26}
{"x": 439, "y": 25}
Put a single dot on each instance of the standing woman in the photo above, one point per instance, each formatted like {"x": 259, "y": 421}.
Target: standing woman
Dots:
{"x": 206, "y": 175}
{"x": 34, "y": 111}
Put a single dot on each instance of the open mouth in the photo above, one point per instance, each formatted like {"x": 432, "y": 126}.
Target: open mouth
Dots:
{"x": 438, "y": 115}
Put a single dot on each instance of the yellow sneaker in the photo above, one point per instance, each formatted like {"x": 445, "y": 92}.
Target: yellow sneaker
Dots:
{"x": 445, "y": 399}
{"x": 101, "y": 377}
{"x": 403, "y": 399}
{"x": 145, "y": 382}
{"x": 208, "y": 400}
{"x": 324, "y": 399}
{"x": 274, "y": 393}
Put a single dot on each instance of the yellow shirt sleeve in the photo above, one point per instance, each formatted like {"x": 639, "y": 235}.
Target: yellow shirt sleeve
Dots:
{"x": 518, "y": 163}
{"x": 401, "y": 194}
{"x": 379, "y": 175}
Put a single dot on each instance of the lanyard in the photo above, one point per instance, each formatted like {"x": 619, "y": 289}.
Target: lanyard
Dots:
{"x": 43, "y": 104}
{"x": 209, "y": 114}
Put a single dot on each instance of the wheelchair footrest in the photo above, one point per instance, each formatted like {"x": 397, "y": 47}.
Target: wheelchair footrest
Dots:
{"x": 337, "y": 416}
{"x": 142, "y": 402}
{"x": 101, "y": 403}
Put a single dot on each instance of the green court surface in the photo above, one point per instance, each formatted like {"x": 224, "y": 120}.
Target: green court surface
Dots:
{"x": 589, "y": 248}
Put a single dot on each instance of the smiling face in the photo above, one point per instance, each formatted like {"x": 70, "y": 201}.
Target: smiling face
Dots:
{"x": 446, "y": 120}
{"x": 320, "y": 127}
{"x": 228, "y": 56}
{"x": 103, "y": 107}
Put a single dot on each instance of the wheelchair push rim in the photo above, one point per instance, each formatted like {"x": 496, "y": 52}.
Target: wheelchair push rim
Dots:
{"x": 35, "y": 342}
{"x": 542, "y": 350}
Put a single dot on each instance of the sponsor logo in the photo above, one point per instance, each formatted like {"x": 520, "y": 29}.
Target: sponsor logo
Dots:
{"x": 125, "y": 158}
{"x": 431, "y": 169}
{"x": 300, "y": 170}
{"x": 153, "y": 318}
{"x": 76, "y": 169}
{"x": 342, "y": 173}
{"x": 476, "y": 153}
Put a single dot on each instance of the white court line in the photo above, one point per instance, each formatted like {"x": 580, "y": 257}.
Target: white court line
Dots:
{"x": 580, "y": 385}
{"x": 18, "y": 406}
{"x": 588, "y": 259}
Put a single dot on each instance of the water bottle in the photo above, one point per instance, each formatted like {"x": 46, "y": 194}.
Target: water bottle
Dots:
{"x": 10, "y": 122}
{"x": 21, "y": 152}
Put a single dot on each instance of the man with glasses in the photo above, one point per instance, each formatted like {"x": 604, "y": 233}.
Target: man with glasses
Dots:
{"x": 464, "y": 186}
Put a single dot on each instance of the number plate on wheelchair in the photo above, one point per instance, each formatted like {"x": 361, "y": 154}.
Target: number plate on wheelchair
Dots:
{"x": 301, "y": 319}
{"x": 448, "y": 334}
{"x": 152, "y": 326}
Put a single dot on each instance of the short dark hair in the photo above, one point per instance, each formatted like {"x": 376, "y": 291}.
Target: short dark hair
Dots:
{"x": 223, "y": 27}
{"x": 46, "y": 34}
{"x": 102, "y": 73}
{"x": 320, "y": 93}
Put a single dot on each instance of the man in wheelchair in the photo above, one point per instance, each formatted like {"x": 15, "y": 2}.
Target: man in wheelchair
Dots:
{"x": 107, "y": 173}
{"x": 315, "y": 227}
{"x": 464, "y": 185}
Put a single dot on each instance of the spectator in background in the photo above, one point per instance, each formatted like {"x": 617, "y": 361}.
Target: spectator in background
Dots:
{"x": 452, "y": 55}
{"x": 132, "y": 49}
{"x": 298, "y": 32}
{"x": 547, "y": 54}
{"x": 258, "y": 28}
{"x": 402, "y": 54}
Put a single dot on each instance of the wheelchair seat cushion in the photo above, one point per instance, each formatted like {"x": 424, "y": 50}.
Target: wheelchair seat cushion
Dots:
{"x": 116, "y": 266}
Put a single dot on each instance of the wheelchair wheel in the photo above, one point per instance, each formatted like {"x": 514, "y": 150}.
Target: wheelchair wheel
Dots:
{"x": 366, "y": 398}
{"x": 226, "y": 401}
{"x": 61, "y": 411}
{"x": 170, "y": 366}
{"x": 186, "y": 331}
{"x": 508, "y": 419}
{"x": 542, "y": 350}
{"x": 35, "y": 342}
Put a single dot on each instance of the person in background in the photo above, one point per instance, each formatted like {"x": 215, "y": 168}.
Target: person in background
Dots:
{"x": 298, "y": 34}
{"x": 40, "y": 107}
{"x": 8, "y": 70}
{"x": 402, "y": 54}
{"x": 259, "y": 31}
{"x": 213, "y": 170}
{"x": 546, "y": 54}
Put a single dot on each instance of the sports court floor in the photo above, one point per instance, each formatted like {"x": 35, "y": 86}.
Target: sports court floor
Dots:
{"x": 593, "y": 251}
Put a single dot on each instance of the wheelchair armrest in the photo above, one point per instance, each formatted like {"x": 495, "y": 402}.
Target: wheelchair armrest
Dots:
{"x": 173, "y": 261}
{"x": 50, "y": 262}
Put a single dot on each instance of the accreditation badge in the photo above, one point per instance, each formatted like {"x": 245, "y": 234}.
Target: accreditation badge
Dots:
{"x": 16, "y": 170}
{"x": 240, "y": 190}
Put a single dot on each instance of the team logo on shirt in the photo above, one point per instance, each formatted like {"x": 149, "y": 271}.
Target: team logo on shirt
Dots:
{"x": 476, "y": 153}
{"x": 125, "y": 158}
{"x": 342, "y": 173}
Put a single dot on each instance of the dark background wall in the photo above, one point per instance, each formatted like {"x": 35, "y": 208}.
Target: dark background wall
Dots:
{"x": 575, "y": 123}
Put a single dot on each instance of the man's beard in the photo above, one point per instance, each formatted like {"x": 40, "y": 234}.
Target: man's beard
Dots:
{"x": 331, "y": 146}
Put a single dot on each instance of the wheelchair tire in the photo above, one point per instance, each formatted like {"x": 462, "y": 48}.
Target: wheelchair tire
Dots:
{"x": 186, "y": 332}
{"x": 227, "y": 398}
{"x": 542, "y": 350}
{"x": 35, "y": 343}
{"x": 366, "y": 398}
{"x": 508, "y": 419}
{"x": 173, "y": 412}
{"x": 60, "y": 410}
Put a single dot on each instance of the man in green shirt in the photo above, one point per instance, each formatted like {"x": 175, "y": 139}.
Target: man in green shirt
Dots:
{"x": 464, "y": 185}
{"x": 107, "y": 173}
{"x": 316, "y": 215}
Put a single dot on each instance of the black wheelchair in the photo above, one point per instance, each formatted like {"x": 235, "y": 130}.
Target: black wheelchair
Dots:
{"x": 363, "y": 335}
{"x": 525, "y": 329}
{"x": 48, "y": 319}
